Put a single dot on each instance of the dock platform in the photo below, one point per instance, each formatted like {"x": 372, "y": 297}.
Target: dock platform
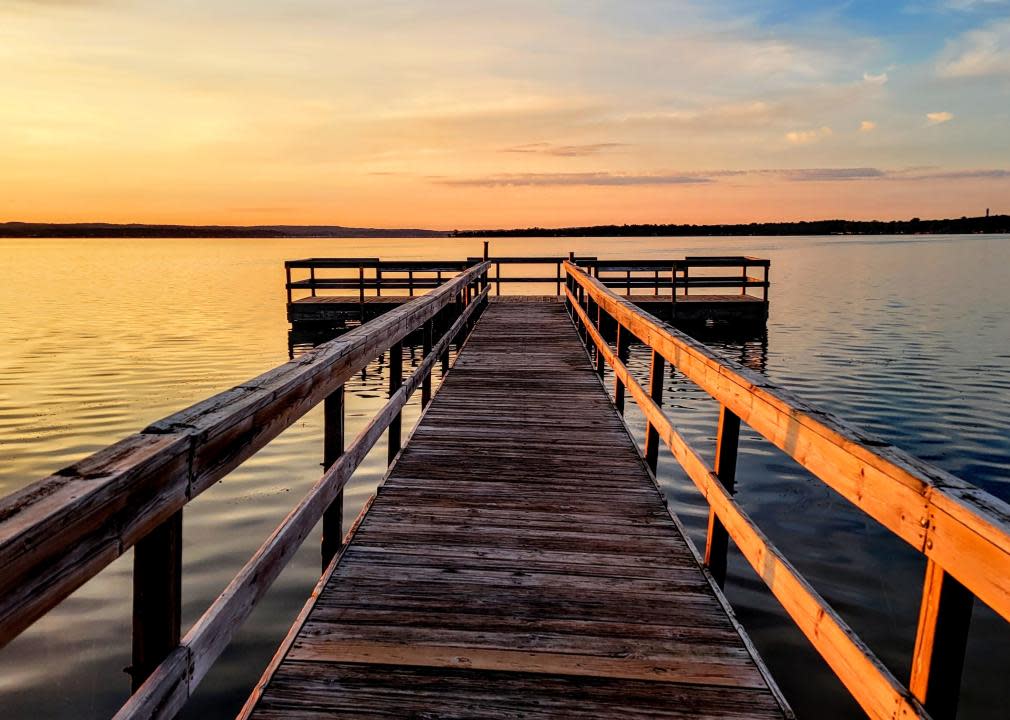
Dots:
{"x": 519, "y": 561}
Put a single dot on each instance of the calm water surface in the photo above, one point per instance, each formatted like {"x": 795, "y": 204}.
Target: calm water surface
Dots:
{"x": 908, "y": 337}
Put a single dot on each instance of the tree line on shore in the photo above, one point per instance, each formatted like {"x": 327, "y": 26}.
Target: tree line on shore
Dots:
{"x": 953, "y": 226}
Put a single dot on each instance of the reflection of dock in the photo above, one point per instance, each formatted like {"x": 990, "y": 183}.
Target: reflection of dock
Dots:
{"x": 518, "y": 560}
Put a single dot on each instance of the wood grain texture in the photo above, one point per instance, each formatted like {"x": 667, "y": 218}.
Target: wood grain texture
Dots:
{"x": 518, "y": 561}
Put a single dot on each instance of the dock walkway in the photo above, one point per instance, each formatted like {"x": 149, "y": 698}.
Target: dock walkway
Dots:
{"x": 518, "y": 561}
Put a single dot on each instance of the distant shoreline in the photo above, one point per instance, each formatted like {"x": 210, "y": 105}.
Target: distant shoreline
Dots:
{"x": 136, "y": 230}
{"x": 915, "y": 226}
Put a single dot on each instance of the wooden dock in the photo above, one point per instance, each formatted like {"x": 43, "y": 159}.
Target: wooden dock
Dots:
{"x": 518, "y": 561}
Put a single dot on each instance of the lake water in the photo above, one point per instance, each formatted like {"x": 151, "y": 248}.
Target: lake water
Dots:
{"x": 908, "y": 337}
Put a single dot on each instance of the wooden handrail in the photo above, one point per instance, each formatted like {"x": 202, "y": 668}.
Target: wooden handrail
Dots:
{"x": 174, "y": 681}
{"x": 61, "y": 531}
{"x": 964, "y": 531}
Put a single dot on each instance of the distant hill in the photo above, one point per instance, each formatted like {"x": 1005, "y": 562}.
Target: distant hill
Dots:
{"x": 964, "y": 225}
{"x": 135, "y": 230}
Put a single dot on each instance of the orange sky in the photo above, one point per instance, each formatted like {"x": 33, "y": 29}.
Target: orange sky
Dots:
{"x": 447, "y": 115}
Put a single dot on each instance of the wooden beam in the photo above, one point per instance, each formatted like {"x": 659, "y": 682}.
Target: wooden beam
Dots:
{"x": 940, "y": 642}
{"x": 428, "y": 333}
{"x": 333, "y": 448}
{"x": 623, "y": 348}
{"x": 656, "y": 378}
{"x": 727, "y": 444}
{"x": 157, "y": 597}
{"x": 395, "y": 382}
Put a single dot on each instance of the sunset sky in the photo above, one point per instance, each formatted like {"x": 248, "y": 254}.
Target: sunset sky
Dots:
{"x": 454, "y": 114}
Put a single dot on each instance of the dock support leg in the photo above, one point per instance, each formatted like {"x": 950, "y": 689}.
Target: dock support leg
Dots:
{"x": 727, "y": 444}
{"x": 940, "y": 643}
{"x": 428, "y": 331}
{"x": 656, "y": 392}
{"x": 395, "y": 381}
{"x": 623, "y": 344}
{"x": 157, "y": 597}
{"x": 333, "y": 448}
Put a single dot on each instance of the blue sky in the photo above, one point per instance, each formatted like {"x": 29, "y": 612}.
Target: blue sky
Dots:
{"x": 459, "y": 113}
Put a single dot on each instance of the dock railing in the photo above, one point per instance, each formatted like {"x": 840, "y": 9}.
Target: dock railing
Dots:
{"x": 675, "y": 275}
{"x": 60, "y": 532}
{"x": 963, "y": 531}
{"x": 370, "y": 277}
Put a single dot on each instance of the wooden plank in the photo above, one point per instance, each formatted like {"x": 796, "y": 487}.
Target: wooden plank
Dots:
{"x": 518, "y": 537}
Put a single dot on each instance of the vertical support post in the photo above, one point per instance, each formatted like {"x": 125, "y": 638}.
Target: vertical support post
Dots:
{"x": 743, "y": 280}
{"x": 395, "y": 381}
{"x": 940, "y": 642}
{"x": 312, "y": 281}
{"x": 601, "y": 363}
{"x": 623, "y": 344}
{"x": 333, "y": 448}
{"x": 157, "y": 597}
{"x": 557, "y": 276}
{"x": 445, "y": 322}
{"x": 287, "y": 284}
{"x": 410, "y": 283}
{"x": 428, "y": 331}
{"x": 687, "y": 283}
{"x": 378, "y": 281}
{"x": 765, "y": 298}
{"x": 361, "y": 292}
{"x": 656, "y": 377}
{"x": 727, "y": 445}
{"x": 497, "y": 278}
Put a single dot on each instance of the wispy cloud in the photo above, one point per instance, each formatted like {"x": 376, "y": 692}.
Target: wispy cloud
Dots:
{"x": 572, "y": 179}
{"x": 984, "y": 52}
{"x": 938, "y": 118}
{"x": 867, "y": 126}
{"x": 543, "y": 148}
{"x": 870, "y": 79}
{"x": 807, "y": 137}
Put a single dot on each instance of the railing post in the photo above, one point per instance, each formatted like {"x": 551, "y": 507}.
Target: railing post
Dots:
{"x": 727, "y": 444}
{"x": 312, "y": 281}
{"x": 558, "y": 277}
{"x": 766, "y": 284}
{"x": 333, "y": 448}
{"x": 940, "y": 642}
{"x": 410, "y": 283}
{"x": 444, "y": 325}
{"x": 743, "y": 288}
{"x": 429, "y": 330}
{"x": 157, "y": 597}
{"x": 623, "y": 345}
{"x": 395, "y": 381}
{"x": 361, "y": 291}
{"x": 378, "y": 280}
{"x": 656, "y": 377}
{"x": 287, "y": 285}
{"x": 601, "y": 363}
